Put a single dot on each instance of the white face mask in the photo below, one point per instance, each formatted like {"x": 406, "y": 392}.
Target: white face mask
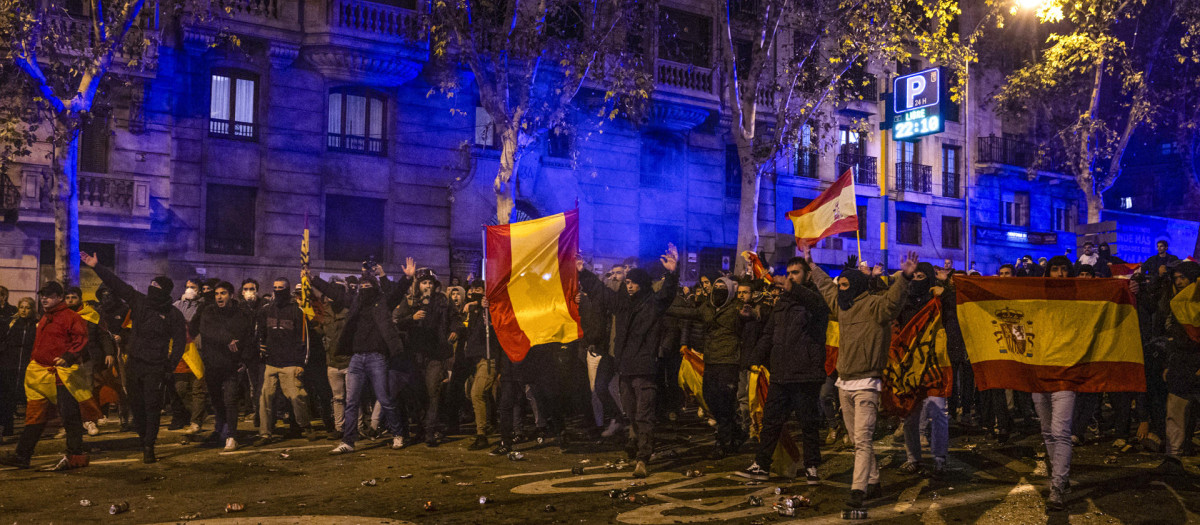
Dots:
{"x": 249, "y": 295}
{"x": 190, "y": 294}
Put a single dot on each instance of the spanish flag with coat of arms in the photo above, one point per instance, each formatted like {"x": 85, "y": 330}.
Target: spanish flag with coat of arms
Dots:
{"x": 1047, "y": 335}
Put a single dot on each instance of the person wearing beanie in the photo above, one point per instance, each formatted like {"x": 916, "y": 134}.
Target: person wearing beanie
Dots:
{"x": 428, "y": 324}
{"x": 54, "y": 376}
{"x": 637, "y": 309}
{"x": 158, "y": 338}
{"x": 865, "y": 332}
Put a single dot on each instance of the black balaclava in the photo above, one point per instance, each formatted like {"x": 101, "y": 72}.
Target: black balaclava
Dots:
{"x": 920, "y": 288}
{"x": 1104, "y": 250}
{"x": 642, "y": 278}
{"x": 159, "y": 291}
{"x": 368, "y": 294}
{"x": 858, "y": 285}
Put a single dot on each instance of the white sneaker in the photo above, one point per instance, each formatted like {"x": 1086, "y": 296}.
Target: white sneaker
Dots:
{"x": 397, "y": 443}
{"x": 342, "y": 448}
{"x": 230, "y": 444}
{"x": 102, "y": 421}
{"x": 91, "y": 428}
{"x": 811, "y": 476}
{"x": 192, "y": 429}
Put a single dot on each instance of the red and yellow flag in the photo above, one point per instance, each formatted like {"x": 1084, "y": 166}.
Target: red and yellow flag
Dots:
{"x": 691, "y": 374}
{"x": 1045, "y": 335}
{"x": 532, "y": 282}
{"x": 756, "y": 265}
{"x": 918, "y": 365}
{"x": 833, "y": 212}
{"x": 1186, "y": 308}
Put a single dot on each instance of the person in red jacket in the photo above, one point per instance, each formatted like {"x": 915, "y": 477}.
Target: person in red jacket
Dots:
{"x": 54, "y": 376}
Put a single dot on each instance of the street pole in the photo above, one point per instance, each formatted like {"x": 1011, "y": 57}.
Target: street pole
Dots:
{"x": 969, "y": 168}
{"x": 885, "y": 141}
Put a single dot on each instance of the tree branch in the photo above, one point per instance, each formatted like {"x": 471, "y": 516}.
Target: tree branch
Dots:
{"x": 26, "y": 60}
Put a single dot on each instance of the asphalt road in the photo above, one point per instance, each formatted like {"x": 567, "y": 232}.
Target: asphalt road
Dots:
{"x": 987, "y": 483}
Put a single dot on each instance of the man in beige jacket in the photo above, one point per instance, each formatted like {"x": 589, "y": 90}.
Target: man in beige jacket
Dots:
{"x": 865, "y": 326}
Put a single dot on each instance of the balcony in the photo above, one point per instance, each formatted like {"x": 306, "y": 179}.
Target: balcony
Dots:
{"x": 355, "y": 144}
{"x": 228, "y": 129}
{"x": 805, "y": 162}
{"x": 914, "y": 177}
{"x": 863, "y": 165}
{"x": 684, "y": 78}
{"x": 104, "y": 200}
{"x": 1018, "y": 153}
{"x": 376, "y": 20}
{"x": 950, "y": 184}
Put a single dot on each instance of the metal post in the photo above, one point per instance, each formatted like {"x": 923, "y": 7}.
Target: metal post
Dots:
{"x": 969, "y": 168}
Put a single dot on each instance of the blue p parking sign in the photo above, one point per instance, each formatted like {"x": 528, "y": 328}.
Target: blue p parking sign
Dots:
{"x": 916, "y": 103}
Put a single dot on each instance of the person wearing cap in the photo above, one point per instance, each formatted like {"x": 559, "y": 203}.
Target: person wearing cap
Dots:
{"x": 865, "y": 333}
{"x": 54, "y": 376}
{"x": 428, "y": 324}
{"x": 638, "y": 310}
{"x": 158, "y": 338}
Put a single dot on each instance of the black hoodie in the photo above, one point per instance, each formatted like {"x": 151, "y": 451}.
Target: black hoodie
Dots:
{"x": 217, "y": 327}
{"x": 158, "y": 335}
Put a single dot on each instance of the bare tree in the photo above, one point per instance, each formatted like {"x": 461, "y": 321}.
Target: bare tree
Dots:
{"x": 530, "y": 60}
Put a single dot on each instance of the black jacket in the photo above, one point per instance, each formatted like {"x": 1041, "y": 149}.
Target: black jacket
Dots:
{"x": 429, "y": 335}
{"x": 792, "y": 344}
{"x": 595, "y": 323}
{"x": 217, "y": 327}
{"x": 282, "y": 335}
{"x": 379, "y": 312}
{"x": 473, "y": 336}
{"x": 637, "y": 321}
{"x": 16, "y": 342}
{"x": 722, "y": 323}
{"x": 159, "y": 334}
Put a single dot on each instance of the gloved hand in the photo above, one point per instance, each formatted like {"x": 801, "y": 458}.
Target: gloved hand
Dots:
{"x": 851, "y": 263}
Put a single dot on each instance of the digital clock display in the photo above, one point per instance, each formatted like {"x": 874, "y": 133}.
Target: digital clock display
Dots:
{"x": 917, "y": 105}
{"x": 916, "y": 128}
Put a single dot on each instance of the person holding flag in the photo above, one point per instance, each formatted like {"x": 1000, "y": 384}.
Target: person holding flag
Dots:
{"x": 792, "y": 345}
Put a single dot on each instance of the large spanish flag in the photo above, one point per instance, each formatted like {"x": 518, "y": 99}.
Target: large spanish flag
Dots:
{"x": 1186, "y": 308}
{"x": 532, "y": 282}
{"x": 832, "y": 212}
{"x": 1044, "y": 335}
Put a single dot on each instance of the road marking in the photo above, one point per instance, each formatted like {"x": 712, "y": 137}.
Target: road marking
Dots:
{"x": 909, "y": 495}
{"x": 251, "y": 450}
{"x": 1192, "y": 517}
{"x": 1009, "y": 463}
{"x": 289, "y": 520}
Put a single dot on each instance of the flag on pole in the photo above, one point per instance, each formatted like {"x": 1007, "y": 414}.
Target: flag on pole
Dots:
{"x": 306, "y": 304}
{"x": 1046, "y": 335}
{"x": 691, "y": 375}
{"x": 785, "y": 459}
{"x": 756, "y": 265}
{"x": 532, "y": 282}
{"x": 833, "y": 212}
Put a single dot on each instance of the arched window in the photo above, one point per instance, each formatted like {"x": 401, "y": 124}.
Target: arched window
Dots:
{"x": 356, "y": 118}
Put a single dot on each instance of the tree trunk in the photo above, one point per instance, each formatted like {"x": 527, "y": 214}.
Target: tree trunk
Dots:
{"x": 504, "y": 185}
{"x": 65, "y": 168}
{"x": 747, "y": 239}
{"x": 1095, "y": 203}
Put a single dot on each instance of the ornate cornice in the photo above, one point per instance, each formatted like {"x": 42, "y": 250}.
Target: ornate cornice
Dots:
{"x": 198, "y": 39}
{"x": 283, "y": 54}
{"x": 675, "y": 117}
{"x": 358, "y": 66}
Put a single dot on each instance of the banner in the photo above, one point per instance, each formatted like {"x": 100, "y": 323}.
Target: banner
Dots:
{"x": 831, "y": 213}
{"x": 532, "y": 282}
{"x": 1038, "y": 334}
{"x": 918, "y": 365}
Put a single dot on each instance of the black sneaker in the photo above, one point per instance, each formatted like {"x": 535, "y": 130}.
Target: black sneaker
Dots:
{"x": 856, "y": 499}
{"x": 754, "y": 472}
{"x": 311, "y": 434}
{"x": 262, "y": 441}
{"x": 148, "y": 455}
{"x": 501, "y": 450}
{"x": 13, "y": 460}
{"x": 939, "y": 470}
{"x": 480, "y": 442}
{"x": 1055, "y": 503}
{"x": 874, "y": 491}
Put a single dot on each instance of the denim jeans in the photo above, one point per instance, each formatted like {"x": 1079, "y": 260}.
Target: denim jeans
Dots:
{"x": 933, "y": 410}
{"x": 367, "y": 368}
{"x": 1055, "y": 410}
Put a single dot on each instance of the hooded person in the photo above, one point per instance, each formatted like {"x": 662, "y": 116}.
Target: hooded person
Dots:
{"x": 865, "y": 333}
{"x": 369, "y": 338}
{"x": 427, "y": 323}
{"x": 931, "y": 409}
{"x": 722, "y": 317}
{"x": 637, "y": 312}
{"x": 157, "y": 339}
{"x": 1183, "y": 362}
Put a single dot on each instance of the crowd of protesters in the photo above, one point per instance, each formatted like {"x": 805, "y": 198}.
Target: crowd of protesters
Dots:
{"x": 411, "y": 360}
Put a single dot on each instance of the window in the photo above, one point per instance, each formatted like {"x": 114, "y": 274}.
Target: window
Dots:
{"x": 93, "y": 144}
{"x": 848, "y": 140}
{"x": 485, "y": 129}
{"x": 558, "y": 143}
{"x": 1126, "y": 203}
{"x": 356, "y": 121}
{"x": 952, "y": 232}
{"x": 800, "y": 202}
{"x": 1062, "y": 219}
{"x": 231, "y": 109}
{"x": 229, "y": 219}
{"x": 862, "y": 224}
{"x": 950, "y": 173}
{"x": 741, "y": 51}
{"x": 1016, "y": 208}
{"x": 858, "y": 84}
{"x": 909, "y": 152}
{"x": 952, "y": 108}
{"x": 733, "y": 173}
{"x": 908, "y": 229}
{"x": 684, "y": 37}
{"x": 352, "y": 228}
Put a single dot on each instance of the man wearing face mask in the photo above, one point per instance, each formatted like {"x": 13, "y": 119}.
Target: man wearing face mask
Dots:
{"x": 188, "y": 397}
{"x": 370, "y": 339}
{"x": 864, "y": 325}
{"x": 427, "y": 322}
{"x": 479, "y": 348}
{"x": 932, "y": 409}
{"x": 252, "y": 362}
{"x": 722, "y": 318}
{"x": 226, "y": 333}
{"x": 283, "y": 338}
{"x": 157, "y": 340}
{"x": 637, "y": 310}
